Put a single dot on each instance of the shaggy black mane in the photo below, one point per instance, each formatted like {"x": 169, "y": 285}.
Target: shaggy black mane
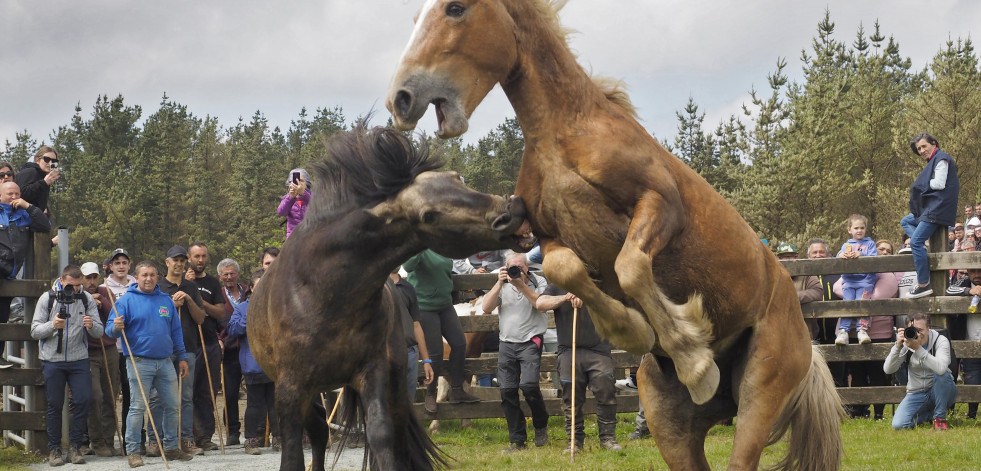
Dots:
{"x": 364, "y": 167}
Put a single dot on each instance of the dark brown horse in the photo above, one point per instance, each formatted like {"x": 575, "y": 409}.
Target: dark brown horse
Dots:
{"x": 322, "y": 317}
{"x": 664, "y": 263}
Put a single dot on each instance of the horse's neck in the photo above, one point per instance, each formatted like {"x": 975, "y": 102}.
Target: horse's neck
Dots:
{"x": 548, "y": 85}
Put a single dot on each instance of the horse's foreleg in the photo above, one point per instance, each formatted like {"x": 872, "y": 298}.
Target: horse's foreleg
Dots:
{"x": 684, "y": 331}
{"x": 291, "y": 406}
{"x": 380, "y": 420}
{"x": 315, "y": 424}
{"x": 627, "y": 328}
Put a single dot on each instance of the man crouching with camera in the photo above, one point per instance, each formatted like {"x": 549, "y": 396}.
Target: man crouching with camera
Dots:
{"x": 63, "y": 327}
{"x": 931, "y": 390}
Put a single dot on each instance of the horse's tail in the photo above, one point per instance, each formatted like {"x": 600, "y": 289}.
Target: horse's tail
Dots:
{"x": 814, "y": 416}
{"x": 412, "y": 444}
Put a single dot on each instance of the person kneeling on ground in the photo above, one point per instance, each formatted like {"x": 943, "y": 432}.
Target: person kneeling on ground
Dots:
{"x": 931, "y": 389}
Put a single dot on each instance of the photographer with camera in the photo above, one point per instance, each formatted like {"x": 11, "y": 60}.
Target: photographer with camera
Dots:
{"x": 293, "y": 205}
{"x": 931, "y": 389}
{"x": 522, "y": 330}
{"x": 63, "y": 326}
{"x": 35, "y": 178}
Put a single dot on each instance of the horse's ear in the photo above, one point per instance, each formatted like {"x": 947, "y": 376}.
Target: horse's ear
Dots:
{"x": 387, "y": 210}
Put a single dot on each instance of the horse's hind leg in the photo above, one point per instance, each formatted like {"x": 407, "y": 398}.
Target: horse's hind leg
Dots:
{"x": 677, "y": 424}
{"x": 315, "y": 424}
{"x": 627, "y": 328}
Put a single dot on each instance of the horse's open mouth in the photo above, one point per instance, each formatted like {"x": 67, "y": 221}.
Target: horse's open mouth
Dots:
{"x": 440, "y": 117}
{"x": 523, "y": 237}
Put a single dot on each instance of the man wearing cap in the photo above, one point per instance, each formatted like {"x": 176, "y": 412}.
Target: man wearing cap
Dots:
{"x": 808, "y": 287}
{"x": 104, "y": 369}
{"x": 187, "y": 299}
{"x": 116, "y": 284}
{"x": 213, "y": 302}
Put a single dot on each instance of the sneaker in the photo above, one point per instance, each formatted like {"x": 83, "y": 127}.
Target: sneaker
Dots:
{"x": 4, "y": 364}
{"x": 135, "y": 460}
{"x": 54, "y": 458}
{"x": 919, "y": 291}
{"x": 940, "y": 424}
{"x": 152, "y": 450}
{"x": 75, "y": 456}
{"x": 177, "y": 454}
{"x": 86, "y": 450}
{"x": 626, "y": 384}
{"x": 842, "y": 338}
{"x": 190, "y": 447}
{"x": 458, "y": 395}
{"x": 639, "y": 433}
{"x": 275, "y": 446}
{"x": 252, "y": 446}
{"x": 515, "y": 447}
{"x": 863, "y": 337}
{"x": 430, "y": 402}
{"x": 611, "y": 444}
{"x": 541, "y": 436}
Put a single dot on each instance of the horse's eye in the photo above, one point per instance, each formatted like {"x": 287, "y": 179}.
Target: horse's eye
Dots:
{"x": 430, "y": 217}
{"x": 455, "y": 9}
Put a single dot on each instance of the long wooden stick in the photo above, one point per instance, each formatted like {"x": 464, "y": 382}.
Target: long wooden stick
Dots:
{"x": 224, "y": 394}
{"x": 180, "y": 406}
{"x": 115, "y": 415}
{"x": 572, "y": 426}
{"x": 211, "y": 387}
{"x": 139, "y": 382}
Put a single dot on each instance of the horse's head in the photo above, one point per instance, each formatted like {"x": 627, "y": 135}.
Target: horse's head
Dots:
{"x": 455, "y": 220}
{"x": 458, "y": 51}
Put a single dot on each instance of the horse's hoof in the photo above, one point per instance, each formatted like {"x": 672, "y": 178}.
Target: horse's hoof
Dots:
{"x": 703, "y": 390}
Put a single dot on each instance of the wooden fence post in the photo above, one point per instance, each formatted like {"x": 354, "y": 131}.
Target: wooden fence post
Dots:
{"x": 939, "y": 278}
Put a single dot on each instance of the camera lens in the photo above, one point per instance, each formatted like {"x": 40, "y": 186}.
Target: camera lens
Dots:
{"x": 514, "y": 271}
{"x": 910, "y": 332}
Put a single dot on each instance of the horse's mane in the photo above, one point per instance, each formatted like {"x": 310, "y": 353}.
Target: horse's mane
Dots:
{"x": 364, "y": 167}
{"x": 614, "y": 89}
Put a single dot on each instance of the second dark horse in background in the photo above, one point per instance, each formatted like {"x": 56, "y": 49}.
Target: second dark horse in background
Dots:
{"x": 323, "y": 318}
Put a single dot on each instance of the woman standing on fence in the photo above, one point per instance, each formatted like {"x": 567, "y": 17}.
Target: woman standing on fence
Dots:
{"x": 429, "y": 273}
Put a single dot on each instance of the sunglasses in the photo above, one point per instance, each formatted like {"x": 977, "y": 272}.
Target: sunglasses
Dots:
{"x": 49, "y": 159}
{"x": 6, "y": 174}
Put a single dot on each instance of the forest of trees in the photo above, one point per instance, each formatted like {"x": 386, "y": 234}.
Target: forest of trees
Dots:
{"x": 802, "y": 158}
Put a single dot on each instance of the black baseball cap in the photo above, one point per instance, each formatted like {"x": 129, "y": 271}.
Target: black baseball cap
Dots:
{"x": 176, "y": 251}
{"x": 118, "y": 252}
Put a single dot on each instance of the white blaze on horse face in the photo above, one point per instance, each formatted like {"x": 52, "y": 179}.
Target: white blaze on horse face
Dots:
{"x": 417, "y": 29}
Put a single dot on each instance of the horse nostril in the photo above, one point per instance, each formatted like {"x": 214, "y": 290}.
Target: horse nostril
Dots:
{"x": 501, "y": 222}
{"x": 403, "y": 103}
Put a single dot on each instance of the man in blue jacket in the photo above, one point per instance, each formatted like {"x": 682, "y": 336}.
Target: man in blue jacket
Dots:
{"x": 154, "y": 338}
{"x": 932, "y": 204}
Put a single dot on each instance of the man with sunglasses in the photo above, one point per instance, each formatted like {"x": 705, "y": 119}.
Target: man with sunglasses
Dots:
{"x": 35, "y": 178}
{"x": 931, "y": 389}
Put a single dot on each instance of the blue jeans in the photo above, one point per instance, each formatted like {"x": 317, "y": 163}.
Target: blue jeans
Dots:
{"x": 928, "y": 404}
{"x": 972, "y": 376}
{"x": 187, "y": 404}
{"x": 413, "y": 374}
{"x": 918, "y": 235}
{"x": 76, "y": 375}
{"x": 159, "y": 374}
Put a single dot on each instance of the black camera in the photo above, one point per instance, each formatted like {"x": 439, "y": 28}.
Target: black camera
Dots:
{"x": 911, "y": 332}
{"x": 66, "y": 297}
{"x": 514, "y": 271}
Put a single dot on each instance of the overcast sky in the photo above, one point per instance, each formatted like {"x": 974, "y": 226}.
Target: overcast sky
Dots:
{"x": 231, "y": 58}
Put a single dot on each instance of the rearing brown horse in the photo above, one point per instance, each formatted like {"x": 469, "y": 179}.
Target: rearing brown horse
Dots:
{"x": 678, "y": 272}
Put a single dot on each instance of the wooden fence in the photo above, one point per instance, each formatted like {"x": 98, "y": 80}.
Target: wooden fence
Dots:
{"x": 938, "y": 307}
{"x": 24, "y": 413}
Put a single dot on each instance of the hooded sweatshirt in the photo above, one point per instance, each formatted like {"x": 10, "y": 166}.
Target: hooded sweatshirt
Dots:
{"x": 922, "y": 365}
{"x": 75, "y": 339}
{"x": 152, "y": 324}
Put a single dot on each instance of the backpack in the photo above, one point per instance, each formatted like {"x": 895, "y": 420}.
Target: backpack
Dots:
{"x": 954, "y": 366}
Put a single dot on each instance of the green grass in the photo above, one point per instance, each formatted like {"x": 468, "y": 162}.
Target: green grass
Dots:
{"x": 14, "y": 458}
{"x": 868, "y": 446}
